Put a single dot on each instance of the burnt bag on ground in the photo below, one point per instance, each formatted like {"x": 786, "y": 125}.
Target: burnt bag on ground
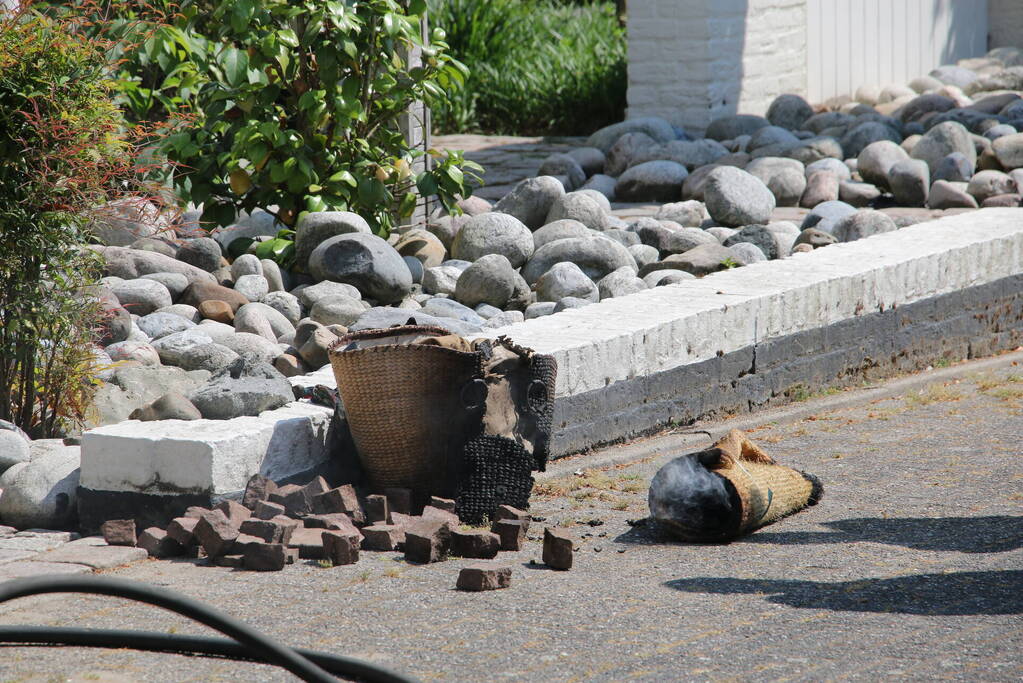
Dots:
{"x": 727, "y": 491}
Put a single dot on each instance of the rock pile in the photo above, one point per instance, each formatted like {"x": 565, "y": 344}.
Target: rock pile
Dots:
{"x": 952, "y": 139}
{"x": 191, "y": 334}
{"x": 274, "y": 526}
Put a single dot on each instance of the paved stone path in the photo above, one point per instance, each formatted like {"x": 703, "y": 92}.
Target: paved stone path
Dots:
{"x": 508, "y": 160}
{"x": 910, "y": 568}
{"x": 36, "y": 551}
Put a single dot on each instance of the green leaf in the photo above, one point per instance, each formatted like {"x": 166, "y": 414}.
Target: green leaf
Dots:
{"x": 288, "y": 37}
{"x": 343, "y": 177}
{"x": 238, "y": 246}
{"x": 455, "y": 174}
{"x": 427, "y": 185}
{"x": 314, "y": 203}
{"x": 408, "y": 205}
{"x": 271, "y": 248}
{"x": 235, "y": 64}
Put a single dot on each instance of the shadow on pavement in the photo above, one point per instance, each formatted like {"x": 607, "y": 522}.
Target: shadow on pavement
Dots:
{"x": 957, "y": 593}
{"x": 958, "y": 534}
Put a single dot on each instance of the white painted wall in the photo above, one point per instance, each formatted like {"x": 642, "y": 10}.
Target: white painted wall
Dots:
{"x": 852, "y": 43}
{"x": 691, "y": 61}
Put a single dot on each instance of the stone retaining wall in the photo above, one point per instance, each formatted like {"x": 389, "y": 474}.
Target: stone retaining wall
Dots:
{"x": 731, "y": 341}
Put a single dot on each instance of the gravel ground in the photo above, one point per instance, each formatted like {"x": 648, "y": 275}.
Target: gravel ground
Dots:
{"x": 911, "y": 567}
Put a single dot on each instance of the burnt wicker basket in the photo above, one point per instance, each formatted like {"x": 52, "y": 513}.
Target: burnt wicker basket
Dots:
{"x": 404, "y": 408}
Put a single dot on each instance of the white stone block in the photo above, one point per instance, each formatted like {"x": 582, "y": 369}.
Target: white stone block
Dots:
{"x": 204, "y": 456}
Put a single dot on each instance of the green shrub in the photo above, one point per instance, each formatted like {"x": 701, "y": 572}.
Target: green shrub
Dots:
{"x": 536, "y": 66}
{"x": 65, "y": 149}
{"x": 294, "y": 105}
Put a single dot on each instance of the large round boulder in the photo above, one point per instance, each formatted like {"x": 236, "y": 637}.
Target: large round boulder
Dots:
{"x": 704, "y": 259}
{"x": 246, "y": 387}
{"x": 128, "y": 350}
{"x": 422, "y": 245}
{"x": 578, "y": 206}
{"x": 867, "y": 133}
{"x": 494, "y": 233}
{"x": 199, "y": 292}
{"x": 596, "y": 256}
{"x": 123, "y": 221}
{"x": 735, "y": 198}
{"x": 201, "y": 252}
{"x": 529, "y": 201}
{"x": 490, "y": 280}
{"x": 657, "y": 128}
{"x": 366, "y": 262}
{"x": 789, "y": 111}
{"x": 1009, "y": 151}
{"x": 731, "y": 127}
{"x": 909, "y": 181}
{"x": 814, "y": 149}
{"x": 315, "y": 228}
{"x": 41, "y": 494}
{"x": 141, "y": 297}
{"x": 688, "y": 214}
{"x": 771, "y": 136}
{"x": 14, "y": 446}
{"x": 757, "y": 235}
{"x": 159, "y": 324}
{"x": 824, "y": 216}
{"x": 785, "y": 178}
{"x": 877, "y": 158}
{"x": 128, "y": 264}
{"x": 558, "y": 230}
{"x": 630, "y": 149}
{"x": 562, "y": 165}
{"x": 942, "y": 140}
{"x": 862, "y": 224}
{"x": 565, "y": 280}
{"x": 690, "y": 153}
{"x": 652, "y": 181}
{"x": 986, "y": 184}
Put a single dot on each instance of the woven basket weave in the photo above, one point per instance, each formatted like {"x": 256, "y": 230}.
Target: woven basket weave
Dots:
{"x": 768, "y": 492}
{"x": 403, "y": 406}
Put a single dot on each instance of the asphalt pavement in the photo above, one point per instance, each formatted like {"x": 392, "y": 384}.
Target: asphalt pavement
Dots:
{"x": 910, "y": 568}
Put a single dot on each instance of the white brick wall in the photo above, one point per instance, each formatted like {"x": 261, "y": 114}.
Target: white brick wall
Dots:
{"x": 693, "y": 61}
{"x": 1005, "y": 22}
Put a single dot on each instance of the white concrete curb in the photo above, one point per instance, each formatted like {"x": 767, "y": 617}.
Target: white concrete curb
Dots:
{"x": 596, "y": 346}
{"x": 666, "y": 327}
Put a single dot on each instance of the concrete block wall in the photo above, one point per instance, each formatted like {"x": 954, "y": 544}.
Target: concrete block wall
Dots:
{"x": 1005, "y": 23}
{"x": 691, "y": 62}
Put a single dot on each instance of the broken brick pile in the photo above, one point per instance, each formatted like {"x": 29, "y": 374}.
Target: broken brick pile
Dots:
{"x": 274, "y": 526}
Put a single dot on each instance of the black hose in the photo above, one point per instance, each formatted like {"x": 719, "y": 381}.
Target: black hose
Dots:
{"x": 252, "y": 643}
{"x": 193, "y": 645}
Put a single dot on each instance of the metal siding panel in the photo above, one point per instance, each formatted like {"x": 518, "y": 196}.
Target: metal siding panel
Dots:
{"x": 883, "y": 42}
